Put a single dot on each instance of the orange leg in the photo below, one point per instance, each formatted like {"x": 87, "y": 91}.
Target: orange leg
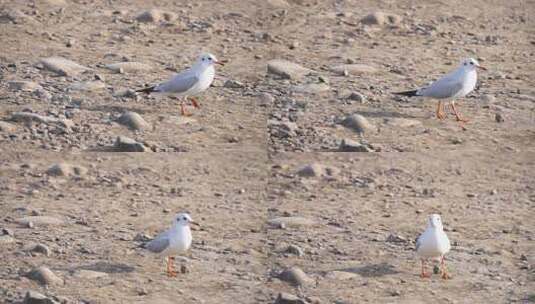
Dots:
{"x": 195, "y": 102}
{"x": 424, "y": 274}
{"x": 457, "y": 114}
{"x": 183, "y": 110}
{"x": 443, "y": 269}
{"x": 440, "y": 111}
{"x": 170, "y": 267}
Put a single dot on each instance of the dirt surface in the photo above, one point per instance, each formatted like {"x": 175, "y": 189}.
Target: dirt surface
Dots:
{"x": 350, "y": 220}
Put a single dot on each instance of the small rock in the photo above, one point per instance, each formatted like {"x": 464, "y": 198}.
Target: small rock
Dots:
{"x": 6, "y": 239}
{"x": 499, "y": 118}
{"x": 6, "y": 231}
{"x": 348, "y": 145}
{"x": 287, "y": 69}
{"x": 128, "y": 67}
{"x": 282, "y": 129}
{"x": 358, "y": 123}
{"x": 295, "y": 276}
{"x": 353, "y": 69}
{"x": 88, "y": 274}
{"x": 286, "y": 298}
{"x": 27, "y": 86}
{"x": 266, "y": 99}
{"x": 294, "y": 249}
{"x": 134, "y": 121}
{"x": 34, "y": 297}
{"x": 356, "y": 96}
{"x": 396, "y": 239}
{"x": 311, "y": 170}
{"x": 311, "y": 88}
{"x": 63, "y": 67}
{"x": 126, "y": 144}
{"x": 150, "y": 16}
{"x": 488, "y": 100}
{"x": 40, "y": 220}
{"x": 45, "y": 276}
{"x": 381, "y": 18}
{"x": 7, "y": 127}
{"x": 41, "y": 248}
{"x": 233, "y": 84}
{"x": 291, "y": 221}
{"x": 64, "y": 169}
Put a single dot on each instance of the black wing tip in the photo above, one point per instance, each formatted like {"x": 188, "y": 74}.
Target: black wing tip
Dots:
{"x": 408, "y": 93}
{"x": 147, "y": 90}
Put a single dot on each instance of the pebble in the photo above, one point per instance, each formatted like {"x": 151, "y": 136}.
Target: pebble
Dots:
{"x": 34, "y": 297}
{"x": 286, "y": 298}
{"x": 88, "y": 86}
{"x": 155, "y": 16}
{"x": 353, "y": 69}
{"x": 65, "y": 169}
{"x": 311, "y": 88}
{"x": 6, "y": 239}
{"x": 356, "y": 96}
{"x": 488, "y": 100}
{"x": 287, "y": 69}
{"x": 40, "y": 220}
{"x": 266, "y": 99}
{"x": 127, "y": 144}
{"x": 282, "y": 129}
{"x": 63, "y": 67}
{"x": 358, "y": 123}
{"x": 41, "y": 248}
{"x": 392, "y": 238}
{"x": 134, "y": 121}
{"x": 349, "y": 145}
{"x": 381, "y": 18}
{"x": 233, "y": 84}
{"x": 45, "y": 276}
{"x": 311, "y": 170}
{"x": 498, "y": 117}
{"x": 27, "y": 86}
{"x": 294, "y": 249}
{"x": 128, "y": 67}
{"x": 295, "y": 276}
{"x": 291, "y": 221}
{"x": 402, "y": 122}
{"x": 29, "y": 117}
{"x": 7, "y": 127}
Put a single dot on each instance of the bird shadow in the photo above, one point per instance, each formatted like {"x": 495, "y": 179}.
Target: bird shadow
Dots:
{"x": 373, "y": 270}
{"x": 105, "y": 267}
{"x": 114, "y": 108}
{"x": 385, "y": 114}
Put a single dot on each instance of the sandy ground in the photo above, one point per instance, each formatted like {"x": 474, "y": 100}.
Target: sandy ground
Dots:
{"x": 233, "y": 164}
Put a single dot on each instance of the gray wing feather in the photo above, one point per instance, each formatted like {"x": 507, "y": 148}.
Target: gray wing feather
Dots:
{"x": 418, "y": 243}
{"x": 446, "y": 87}
{"x": 159, "y": 244}
{"x": 180, "y": 83}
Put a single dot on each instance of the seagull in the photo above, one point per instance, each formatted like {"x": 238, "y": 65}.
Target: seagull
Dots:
{"x": 175, "y": 240}
{"x": 433, "y": 244}
{"x": 188, "y": 83}
{"x": 451, "y": 86}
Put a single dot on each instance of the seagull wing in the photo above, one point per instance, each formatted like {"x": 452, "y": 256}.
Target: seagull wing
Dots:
{"x": 180, "y": 83}
{"x": 159, "y": 244}
{"x": 446, "y": 87}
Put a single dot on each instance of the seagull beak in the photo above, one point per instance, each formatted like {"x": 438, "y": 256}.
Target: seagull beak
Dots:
{"x": 220, "y": 63}
{"x": 481, "y": 67}
{"x": 194, "y": 223}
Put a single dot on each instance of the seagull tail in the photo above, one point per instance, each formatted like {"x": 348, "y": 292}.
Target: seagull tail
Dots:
{"x": 408, "y": 93}
{"x": 147, "y": 90}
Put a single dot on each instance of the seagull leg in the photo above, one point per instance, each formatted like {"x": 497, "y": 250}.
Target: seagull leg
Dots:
{"x": 195, "y": 102}
{"x": 183, "y": 110}
{"x": 457, "y": 114}
{"x": 424, "y": 274}
{"x": 170, "y": 267}
{"x": 440, "y": 111}
{"x": 443, "y": 269}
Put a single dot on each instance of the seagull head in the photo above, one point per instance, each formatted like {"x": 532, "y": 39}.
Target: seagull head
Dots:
{"x": 182, "y": 219}
{"x": 435, "y": 221}
{"x": 207, "y": 59}
{"x": 471, "y": 64}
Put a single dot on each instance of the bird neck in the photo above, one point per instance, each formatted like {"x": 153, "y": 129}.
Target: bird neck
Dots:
{"x": 179, "y": 228}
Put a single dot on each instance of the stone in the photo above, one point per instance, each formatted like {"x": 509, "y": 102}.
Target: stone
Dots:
{"x": 40, "y": 220}
{"x": 282, "y": 129}
{"x": 34, "y": 297}
{"x": 353, "y": 69}
{"x": 311, "y": 88}
{"x": 402, "y": 122}
{"x": 27, "y": 86}
{"x": 286, "y": 298}
{"x": 41, "y": 248}
{"x": 88, "y": 86}
{"x": 488, "y": 100}
{"x": 127, "y": 144}
{"x": 340, "y": 275}
{"x": 356, "y": 96}
{"x": 291, "y": 221}
{"x": 6, "y": 127}
{"x": 233, "y": 84}
{"x": 295, "y": 276}
{"x": 294, "y": 249}
{"x": 311, "y": 170}
{"x": 63, "y": 67}
{"x": 348, "y": 145}
{"x": 358, "y": 123}
{"x": 381, "y": 19}
{"x": 392, "y": 238}
{"x": 150, "y": 16}
{"x": 287, "y": 69}
{"x": 134, "y": 121}
{"x": 88, "y": 274}
{"x": 498, "y": 117}
{"x": 45, "y": 276}
{"x": 129, "y": 67}
{"x": 64, "y": 169}
{"x": 278, "y": 3}
{"x": 6, "y": 239}
{"x": 29, "y": 117}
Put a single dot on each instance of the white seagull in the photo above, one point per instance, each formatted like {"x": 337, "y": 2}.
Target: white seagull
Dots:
{"x": 451, "y": 86}
{"x": 175, "y": 240}
{"x": 433, "y": 244}
{"x": 188, "y": 83}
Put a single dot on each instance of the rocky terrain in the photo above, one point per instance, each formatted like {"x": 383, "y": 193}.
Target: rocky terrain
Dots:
{"x": 309, "y": 178}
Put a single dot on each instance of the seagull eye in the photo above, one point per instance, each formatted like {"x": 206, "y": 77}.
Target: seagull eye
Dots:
{"x": 184, "y": 218}
{"x": 471, "y": 63}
